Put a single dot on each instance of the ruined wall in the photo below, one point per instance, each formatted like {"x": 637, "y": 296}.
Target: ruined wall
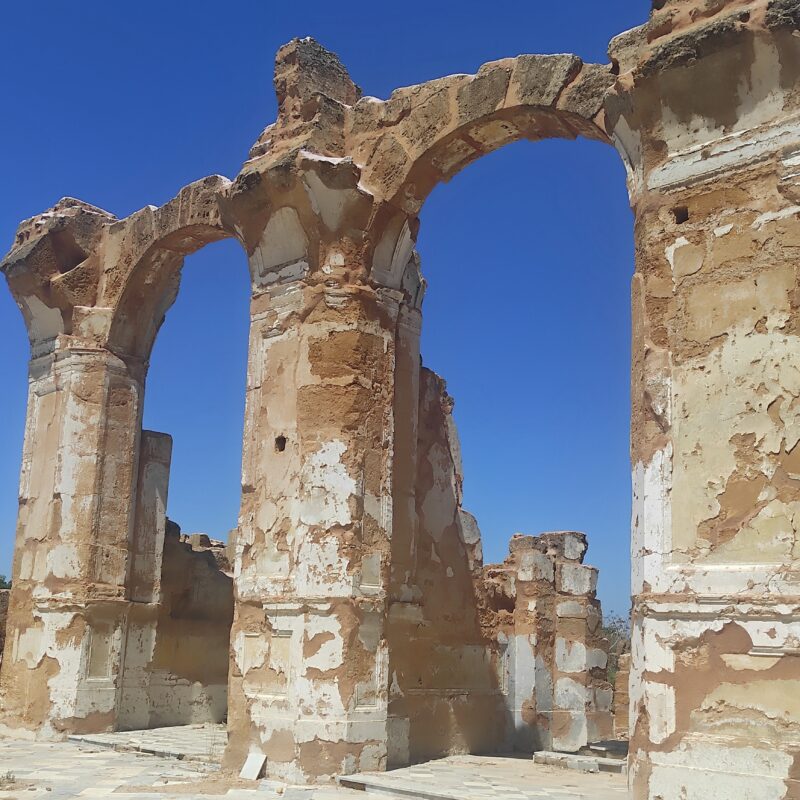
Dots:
{"x": 328, "y": 530}
{"x": 348, "y": 500}
{"x": 706, "y": 114}
{"x": 540, "y": 611}
{"x": 622, "y": 696}
{"x": 4, "y": 595}
{"x": 444, "y": 696}
{"x": 176, "y": 669}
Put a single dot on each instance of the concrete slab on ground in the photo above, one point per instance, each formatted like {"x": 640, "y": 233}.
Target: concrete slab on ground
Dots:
{"x": 581, "y": 763}
{"x": 73, "y": 770}
{"x": 489, "y": 778}
{"x": 204, "y": 743}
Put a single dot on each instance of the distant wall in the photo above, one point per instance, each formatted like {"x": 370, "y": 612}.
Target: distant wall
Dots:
{"x": 176, "y": 651}
{"x": 544, "y": 621}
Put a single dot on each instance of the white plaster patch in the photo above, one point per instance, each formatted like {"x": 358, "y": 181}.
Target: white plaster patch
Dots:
{"x": 699, "y": 770}
{"x": 329, "y": 656}
{"x": 535, "y": 566}
{"x": 571, "y": 695}
{"x": 570, "y": 608}
{"x": 320, "y": 570}
{"x": 722, "y": 230}
{"x": 660, "y": 700}
{"x": 578, "y": 579}
{"x": 329, "y": 203}
{"x": 282, "y": 251}
{"x": 328, "y": 487}
{"x": 570, "y": 656}
{"x": 43, "y": 323}
{"x": 774, "y": 216}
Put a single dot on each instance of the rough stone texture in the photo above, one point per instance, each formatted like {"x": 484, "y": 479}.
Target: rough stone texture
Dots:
{"x": 176, "y": 653}
{"x": 444, "y": 696}
{"x": 540, "y": 612}
{"x": 4, "y": 595}
{"x": 351, "y": 483}
{"x": 713, "y": 176}
{"x": 622, "y": 696}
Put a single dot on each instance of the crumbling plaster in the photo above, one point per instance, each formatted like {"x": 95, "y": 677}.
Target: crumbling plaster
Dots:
{"x": 350, "y": 519}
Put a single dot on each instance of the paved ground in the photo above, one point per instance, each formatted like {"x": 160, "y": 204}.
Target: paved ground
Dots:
{"x": 492, "y": 778}
{"x": 189, "y": 742}
{"x": 68, "y": 770}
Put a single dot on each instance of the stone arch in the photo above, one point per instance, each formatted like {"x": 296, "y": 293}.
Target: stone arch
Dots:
{"x": 425, "y": 134}
{"x": 145, "y": 253}
{"x": 419, "y": 137}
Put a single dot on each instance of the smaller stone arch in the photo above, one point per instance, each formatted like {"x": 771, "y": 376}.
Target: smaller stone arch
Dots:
{"x": 425, "y": 134}
{"x": 143, "y": 256}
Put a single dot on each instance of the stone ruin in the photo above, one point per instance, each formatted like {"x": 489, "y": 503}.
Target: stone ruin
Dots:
{"x": 363, "y": 630}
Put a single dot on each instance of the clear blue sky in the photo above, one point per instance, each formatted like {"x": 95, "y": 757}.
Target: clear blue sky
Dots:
{"x": 528, "y": 252}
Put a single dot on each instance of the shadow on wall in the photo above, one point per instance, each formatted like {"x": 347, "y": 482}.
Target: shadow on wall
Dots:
{"x": 176, "y": 660}
{"x": 486, "y": 659}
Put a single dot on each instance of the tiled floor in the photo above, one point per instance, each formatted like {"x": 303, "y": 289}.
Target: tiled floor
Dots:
{"x": 493, "y": 778}
{"x": 204, "y": 743}
{"x": 69, "y": 770}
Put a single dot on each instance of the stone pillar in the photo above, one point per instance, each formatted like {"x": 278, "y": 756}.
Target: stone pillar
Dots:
{"x": 308, "y": 680}
{"x": 147, "y": 553}
{"x": 556, "y": 657}
{"x": 582, "y": 696}
{"x": 404, "y": 612}
{"x": 150, "y": 515}
{"x": 68, "y": 608}
{"x": 705, "y": 114}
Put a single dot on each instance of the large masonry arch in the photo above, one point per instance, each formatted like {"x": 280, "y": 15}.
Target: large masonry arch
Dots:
{"x": 331, "y": 551}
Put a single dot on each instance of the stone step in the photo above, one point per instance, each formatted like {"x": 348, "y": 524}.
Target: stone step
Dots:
{"x": 581, "y": 763}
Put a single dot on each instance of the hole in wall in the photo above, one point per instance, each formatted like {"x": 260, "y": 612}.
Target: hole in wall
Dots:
{"x": 280, "y": 444}
{"x": 68, "y": 253}
{"x": 681, "y": 214}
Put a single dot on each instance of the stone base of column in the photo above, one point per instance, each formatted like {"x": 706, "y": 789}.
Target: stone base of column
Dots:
{"x": 714, "y": 709}
{"x": 308, "y": 688}
{"x": 61, "y": 666}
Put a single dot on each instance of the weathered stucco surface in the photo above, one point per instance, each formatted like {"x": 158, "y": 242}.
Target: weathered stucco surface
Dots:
{"x": 707, "y": 119}
{"x": 360, "y": 635}
{"x": 540, "y": 612}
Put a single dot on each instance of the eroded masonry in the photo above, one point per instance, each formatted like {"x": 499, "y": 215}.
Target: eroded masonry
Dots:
{"x": 350, "y": 624}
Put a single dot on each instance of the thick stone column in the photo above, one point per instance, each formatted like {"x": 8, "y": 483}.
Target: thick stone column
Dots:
{"x": 706, "y": 115}
{"x": 308, "y": 679}
{"x": 68, "y": 609}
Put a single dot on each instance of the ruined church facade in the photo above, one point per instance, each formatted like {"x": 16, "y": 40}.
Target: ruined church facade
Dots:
{"x": 364, "y": 630}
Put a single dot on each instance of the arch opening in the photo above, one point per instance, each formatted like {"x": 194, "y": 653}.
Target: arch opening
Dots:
{"x": 181, "y": 585}
{"x": 527, "y": 315}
